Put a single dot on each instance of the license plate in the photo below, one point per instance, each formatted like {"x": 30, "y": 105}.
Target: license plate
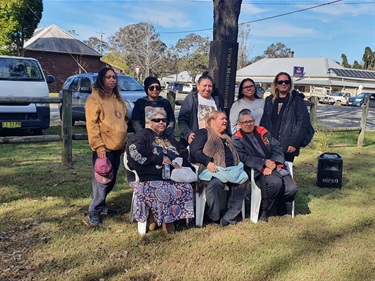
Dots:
{"x": 11, "y": 125}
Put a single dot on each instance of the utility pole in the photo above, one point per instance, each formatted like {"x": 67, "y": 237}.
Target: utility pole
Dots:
{"x": 101, "y": 41}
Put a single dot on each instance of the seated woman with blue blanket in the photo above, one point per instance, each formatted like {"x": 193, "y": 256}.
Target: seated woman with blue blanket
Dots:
{"x": 148, "y": 152}
{"x": 219, "y": 165}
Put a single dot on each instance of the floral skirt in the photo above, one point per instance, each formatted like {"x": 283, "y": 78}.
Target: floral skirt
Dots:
{"x": 168, "y": 201}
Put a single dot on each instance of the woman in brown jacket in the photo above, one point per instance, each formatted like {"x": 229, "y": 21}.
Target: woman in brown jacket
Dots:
{"x": 106, "y": 123}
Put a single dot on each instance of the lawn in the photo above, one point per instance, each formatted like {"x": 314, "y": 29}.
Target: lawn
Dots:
{"x": 45, "y": 235}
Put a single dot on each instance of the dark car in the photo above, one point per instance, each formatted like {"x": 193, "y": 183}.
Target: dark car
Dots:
{"x": 359, "y": 99}
{"x": 81, "y": 87}
{"x": 174, "y": 86}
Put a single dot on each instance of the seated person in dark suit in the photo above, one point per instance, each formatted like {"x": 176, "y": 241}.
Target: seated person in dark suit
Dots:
{"x": 258, "y": 150}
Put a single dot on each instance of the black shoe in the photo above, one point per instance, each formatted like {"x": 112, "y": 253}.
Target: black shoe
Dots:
{"x": 109, "y": 212}
{"x": 224, "y": 223}
{"x": 94, "y": 218}
{"x": 263, "y": 217}
{"x": 282, "y": 209}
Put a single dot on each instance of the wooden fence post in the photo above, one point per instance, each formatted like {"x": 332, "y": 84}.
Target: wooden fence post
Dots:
{"x": 365, "y": 108}
{"x": 314, "y": 102}
{"x": 66, "y": 128}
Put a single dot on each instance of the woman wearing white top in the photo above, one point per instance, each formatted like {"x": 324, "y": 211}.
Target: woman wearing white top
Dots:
{"x": 196, "y": 107}
{"x": 247, "y": 99}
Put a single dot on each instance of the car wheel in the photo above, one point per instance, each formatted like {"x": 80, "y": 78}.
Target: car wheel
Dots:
{"x": 338, "y": 102}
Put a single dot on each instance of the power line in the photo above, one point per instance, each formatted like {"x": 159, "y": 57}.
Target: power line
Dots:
{"x": 258, "y": 20}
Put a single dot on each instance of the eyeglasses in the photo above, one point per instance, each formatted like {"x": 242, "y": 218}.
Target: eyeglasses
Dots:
{"x": 248, "y": 87}
{"x": 157, "y": 120}
{"x": 111, "y": 76}
{"x": 151, "y": 88}
{"x": 280, "y": 82}
{"x": 248, "y": 122}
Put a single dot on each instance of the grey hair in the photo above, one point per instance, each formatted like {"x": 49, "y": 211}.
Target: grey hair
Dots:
{"x": 153, "y": 111}
{"x": 244, "y": 112}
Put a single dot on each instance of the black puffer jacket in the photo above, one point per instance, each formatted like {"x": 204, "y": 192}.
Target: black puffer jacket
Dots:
{"x": 294, "y": 123}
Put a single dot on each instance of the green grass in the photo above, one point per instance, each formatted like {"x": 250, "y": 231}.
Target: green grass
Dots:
{"x": 45, "y": 236}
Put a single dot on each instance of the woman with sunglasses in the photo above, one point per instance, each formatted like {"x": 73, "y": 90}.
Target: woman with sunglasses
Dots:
{"x": 107, "y": 125}
{"x": 247, "y": 99}
{"x": 149, "y": 152}
{"x": 143, "y": 107}
{"x": 286, "y": 116}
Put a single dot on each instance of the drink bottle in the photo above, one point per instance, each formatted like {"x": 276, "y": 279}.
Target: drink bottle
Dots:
{"x": 166, "y": 172}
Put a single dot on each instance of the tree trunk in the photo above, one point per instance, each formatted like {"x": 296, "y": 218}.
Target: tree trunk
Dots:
{"x": 224, "y": 49}
{"x": 226, "y": 14}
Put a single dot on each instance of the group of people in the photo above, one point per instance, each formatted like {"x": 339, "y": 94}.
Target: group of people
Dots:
{"x": 259, "y": 135}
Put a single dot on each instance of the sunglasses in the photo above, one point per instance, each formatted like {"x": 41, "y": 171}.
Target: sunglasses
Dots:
{"x": 157, "y": 120}
{"x": 111, "y": 76}
{"x": 151, "y": 88}
{"x": 280, "y": 82}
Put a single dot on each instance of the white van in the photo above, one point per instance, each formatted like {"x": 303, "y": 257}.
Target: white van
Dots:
{"x": 23, "y": 77}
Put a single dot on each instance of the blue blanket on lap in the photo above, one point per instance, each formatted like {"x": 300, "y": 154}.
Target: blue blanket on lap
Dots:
{"x": 233, "y": 174}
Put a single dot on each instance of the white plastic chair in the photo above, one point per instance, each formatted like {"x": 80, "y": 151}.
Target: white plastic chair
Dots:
{"x": 200, "y": 203}
{"x": 142, "y": 226}
{"x": 289, "y": 165}
{"x": 256, "y": 195}
{"x": 255, "y": 200}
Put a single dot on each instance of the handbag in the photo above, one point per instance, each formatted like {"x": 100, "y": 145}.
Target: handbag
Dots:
{"x": 183, "y": 174}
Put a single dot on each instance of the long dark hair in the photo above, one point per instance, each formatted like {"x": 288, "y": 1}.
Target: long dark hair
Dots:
{"x": 240, "y": 94}
{"x": 99, "y": 83}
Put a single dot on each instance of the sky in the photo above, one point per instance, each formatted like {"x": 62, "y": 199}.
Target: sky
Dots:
{"x": 339, "y": 27}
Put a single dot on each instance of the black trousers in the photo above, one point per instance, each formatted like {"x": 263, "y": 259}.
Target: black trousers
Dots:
{"x": 276, "y": 187}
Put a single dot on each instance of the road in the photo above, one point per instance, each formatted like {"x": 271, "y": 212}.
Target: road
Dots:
{"x": 343, "y": 116}
{"x": 327, "y": 116}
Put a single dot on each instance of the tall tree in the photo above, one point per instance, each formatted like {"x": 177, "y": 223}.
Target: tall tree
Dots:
{"x": 368, "y": 59}
{"x": 117, "y": 59}
{"x": 193, "y": 53}
{"x": 224, "y": 49}
{"x": 18, "y": 20}
{"x": 243, "y": 48}
{"x": 140, "y": 45}
{"x": 97, "y": 44}
{"x": 357, "y": 65}
{"x": 345, "y": 61}
{"x": 278, "y": 50}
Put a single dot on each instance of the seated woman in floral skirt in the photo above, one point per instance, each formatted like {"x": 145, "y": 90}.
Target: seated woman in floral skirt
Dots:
{"x": 164, "y": 200}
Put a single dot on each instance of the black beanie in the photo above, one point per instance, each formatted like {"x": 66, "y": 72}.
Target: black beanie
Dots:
{"x": 149, "y": 81}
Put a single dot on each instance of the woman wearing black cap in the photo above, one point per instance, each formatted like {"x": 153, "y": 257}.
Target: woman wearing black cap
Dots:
{"x": 141, "y": 111}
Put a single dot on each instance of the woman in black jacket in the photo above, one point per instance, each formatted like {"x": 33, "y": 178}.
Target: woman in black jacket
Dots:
{"x": 286, "y": 116}
{"x": 196, "y": 108}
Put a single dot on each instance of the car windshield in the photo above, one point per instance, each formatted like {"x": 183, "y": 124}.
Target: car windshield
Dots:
{"x": 339, "y": 94}
{"x": 20, "y": 70}
{"x": 363, "y": 95}
{"x": 127, "y": 83}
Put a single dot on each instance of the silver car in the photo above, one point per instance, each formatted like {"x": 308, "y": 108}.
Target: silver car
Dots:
{"x": 81, "y": 86}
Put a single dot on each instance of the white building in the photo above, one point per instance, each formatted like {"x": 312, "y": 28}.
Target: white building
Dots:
{"x": 310, "y": 75}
